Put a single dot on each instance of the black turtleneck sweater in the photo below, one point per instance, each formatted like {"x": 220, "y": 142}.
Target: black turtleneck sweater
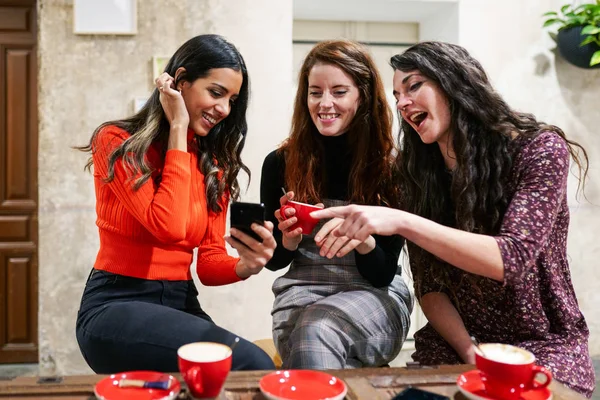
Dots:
{"x": 378, "y": 266}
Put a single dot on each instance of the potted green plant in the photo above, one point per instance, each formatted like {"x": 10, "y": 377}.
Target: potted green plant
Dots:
{"x": 578, "y": 37}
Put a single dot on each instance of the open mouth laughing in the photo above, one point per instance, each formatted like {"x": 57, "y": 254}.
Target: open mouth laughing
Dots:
{"x": 209, "y": 118}
{"x": 417, "y": 118}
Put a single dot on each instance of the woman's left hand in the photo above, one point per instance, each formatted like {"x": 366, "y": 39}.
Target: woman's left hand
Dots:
{"x": 254, "y": 255}
{"x": 339, "y": 246}
{"x": 362, "y": 221}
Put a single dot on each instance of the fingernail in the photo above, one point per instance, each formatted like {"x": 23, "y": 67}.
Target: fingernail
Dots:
{"x": 233, "y": 230}
{"x": 317, "y": 238}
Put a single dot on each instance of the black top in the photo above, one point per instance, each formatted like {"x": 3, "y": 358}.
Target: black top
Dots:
{"x": 378, "y": 266}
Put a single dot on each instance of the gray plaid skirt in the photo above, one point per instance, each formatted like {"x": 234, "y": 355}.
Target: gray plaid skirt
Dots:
{"x": 327, "y": 316}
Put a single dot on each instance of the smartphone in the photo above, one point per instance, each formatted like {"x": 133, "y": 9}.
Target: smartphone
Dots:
{"x": 411, "y": 393}
{"x": 244, "y": 214}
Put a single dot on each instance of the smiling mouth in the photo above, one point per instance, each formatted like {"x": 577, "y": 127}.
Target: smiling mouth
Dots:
{"x": 210, "y": 119}
{"x": 328, "y": 117}
{"x": 418, "y": 117}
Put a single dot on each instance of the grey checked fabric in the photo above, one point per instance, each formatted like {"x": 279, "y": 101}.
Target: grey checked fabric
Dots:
{"x": 327, "y": 316}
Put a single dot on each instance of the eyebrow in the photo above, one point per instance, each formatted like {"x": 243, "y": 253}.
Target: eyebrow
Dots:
{"x": 224, "y": 89}
{"x": 408, "y": 77}
{"x": 221, "y": 86}
{"x": 396, "y": 93}
{"x": 334, "y": 87}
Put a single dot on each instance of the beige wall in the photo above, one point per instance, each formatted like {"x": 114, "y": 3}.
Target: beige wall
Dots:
{"x": 85, "y": 80}
{"x": 520, "y": 58}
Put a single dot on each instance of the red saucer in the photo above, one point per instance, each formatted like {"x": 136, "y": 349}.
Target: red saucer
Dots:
{"x": 472, "y": 387}
{"x": 108, "y": 388}
{"x": 302, "y": 385}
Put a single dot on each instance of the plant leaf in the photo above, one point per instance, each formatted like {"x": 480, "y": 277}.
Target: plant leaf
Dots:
{"x": 595, "y": 59}
{"x": 552, "y": 22}
{"x": 569, "y": 24}
{"x": 550, "y": 14}
{"x": 590, "y": 30}
{"x": 564, "y": 8}
{"x": 587, "y": 40}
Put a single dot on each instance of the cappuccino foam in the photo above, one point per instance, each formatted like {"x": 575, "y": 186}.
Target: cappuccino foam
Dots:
{"x": 204, "y": 352}
{"x": 506, "y": 354}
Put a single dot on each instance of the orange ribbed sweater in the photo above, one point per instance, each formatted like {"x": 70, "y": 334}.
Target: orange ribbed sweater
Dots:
{"x": 151, "y": 233}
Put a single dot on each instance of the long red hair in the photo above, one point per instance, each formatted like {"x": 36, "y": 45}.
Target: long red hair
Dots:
{"x": 369, "y": 134}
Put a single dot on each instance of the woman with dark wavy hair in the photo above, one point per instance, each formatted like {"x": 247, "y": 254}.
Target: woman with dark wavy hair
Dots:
{"x": 342, "y": 303}
{"x": 484, "y": 211}
{"x": 163, "y": 180}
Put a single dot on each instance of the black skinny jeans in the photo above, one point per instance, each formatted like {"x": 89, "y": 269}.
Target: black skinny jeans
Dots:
{"x": 126, "y": 324}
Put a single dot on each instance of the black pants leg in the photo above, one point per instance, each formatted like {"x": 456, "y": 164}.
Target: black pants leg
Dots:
{"x": 129, "y": 324}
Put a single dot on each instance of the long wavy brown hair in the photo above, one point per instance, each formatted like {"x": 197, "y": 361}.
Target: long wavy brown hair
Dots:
{"x": 474, "y": 198}
{"x": 369, "y": 134}
{"x": 219, "y": 153}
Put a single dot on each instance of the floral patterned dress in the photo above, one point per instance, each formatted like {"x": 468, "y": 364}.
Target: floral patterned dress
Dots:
{"x": 535, "y": 307}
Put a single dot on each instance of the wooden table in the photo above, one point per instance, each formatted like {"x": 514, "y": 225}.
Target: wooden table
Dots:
{"x": 363, "y": 384}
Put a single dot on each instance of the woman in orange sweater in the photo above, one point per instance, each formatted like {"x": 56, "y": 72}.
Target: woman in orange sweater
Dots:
{"x": 163, "y": 181}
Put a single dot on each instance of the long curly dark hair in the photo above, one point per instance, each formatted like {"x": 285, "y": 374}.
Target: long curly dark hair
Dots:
{"x": 218, "y": 153}
{"x": 474, "y": 197}
{"x": 370, "y": 136}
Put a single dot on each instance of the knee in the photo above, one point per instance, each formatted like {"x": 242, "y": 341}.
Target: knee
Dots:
{"x": 317, "y": 324}
{"x": 317, "y": 342}
{"x": 249, "y": 357}
{"x": 261, "y": 360}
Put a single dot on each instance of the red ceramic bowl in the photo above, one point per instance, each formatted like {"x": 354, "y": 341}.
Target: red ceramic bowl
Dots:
{"x": 302, "y": 385}
{"x": 108, "y": 388}
{"x": 471, "y": 386}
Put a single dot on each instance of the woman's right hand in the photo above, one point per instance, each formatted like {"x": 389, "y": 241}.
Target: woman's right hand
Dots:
{"x": 172, "y": 102}
{"x": 291, "y": 237}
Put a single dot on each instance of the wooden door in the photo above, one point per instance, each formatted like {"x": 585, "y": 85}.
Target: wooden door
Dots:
{"x": 18, "y": 182}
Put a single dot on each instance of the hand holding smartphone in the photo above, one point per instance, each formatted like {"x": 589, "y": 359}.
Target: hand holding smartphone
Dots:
{"x": 244, "y": 214}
